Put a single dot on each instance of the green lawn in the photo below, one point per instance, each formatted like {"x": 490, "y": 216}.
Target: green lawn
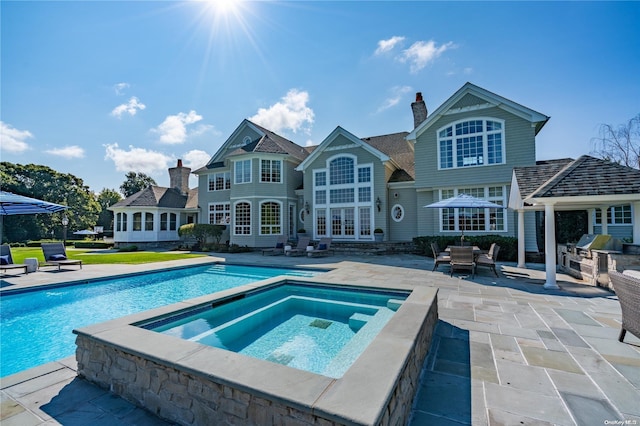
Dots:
{"x": 100, "y": 257}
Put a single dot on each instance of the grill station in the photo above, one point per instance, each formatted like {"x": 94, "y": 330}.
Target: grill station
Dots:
{"x": 588, "y": 259}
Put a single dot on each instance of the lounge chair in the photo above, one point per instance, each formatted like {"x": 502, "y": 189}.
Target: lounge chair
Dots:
{"x": 323, "y": 248}
{"x": 462, "y": 258}
{"x": 627, "y": 289}
{"x": 439, "y": 257}
{"x": 56, "y": 255}
{"x": 488, "y": 260}
{"x": 6, "y": 260}
{"x": 301, "y": 248}
{"x": 278, "y": 248}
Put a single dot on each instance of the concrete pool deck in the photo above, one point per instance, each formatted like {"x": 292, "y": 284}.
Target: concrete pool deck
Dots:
{"x": 506, "y": 351}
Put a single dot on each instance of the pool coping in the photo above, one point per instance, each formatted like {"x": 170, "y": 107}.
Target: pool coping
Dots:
{"x": 377, "y": 370}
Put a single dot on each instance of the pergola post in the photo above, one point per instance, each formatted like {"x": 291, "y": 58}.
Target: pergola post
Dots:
{"x": 521, "y": 245}
{"x": 550, "y": 247}
{"x": 590, "y": 220}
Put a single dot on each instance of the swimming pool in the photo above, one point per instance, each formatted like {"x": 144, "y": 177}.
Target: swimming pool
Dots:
{"x": 317, "y": 328}
{"x": 37, "y": 325}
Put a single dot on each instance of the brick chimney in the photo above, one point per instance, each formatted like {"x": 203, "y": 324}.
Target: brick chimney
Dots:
{"x": 179, "y": 178}
{"x": 419, "y": 108}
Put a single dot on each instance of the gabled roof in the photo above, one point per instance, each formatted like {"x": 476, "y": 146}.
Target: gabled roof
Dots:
{"x": 268, "y": 142}
{"x": 160, "y": 197}
{"x": 491, "y": 99}
{"x": 585, "y": 181}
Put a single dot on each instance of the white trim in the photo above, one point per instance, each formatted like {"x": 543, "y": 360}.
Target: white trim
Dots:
{"x": 233, "y": 214}
{"x": 270, "y": 200}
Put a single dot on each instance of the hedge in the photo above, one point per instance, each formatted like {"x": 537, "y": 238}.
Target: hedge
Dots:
{"x": 508, "y": 245}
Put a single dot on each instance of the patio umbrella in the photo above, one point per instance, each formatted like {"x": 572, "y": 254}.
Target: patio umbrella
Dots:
{"x": 85, "y": 232}
{"x": 11, "y": 204}
{"x": 464, "y": 201}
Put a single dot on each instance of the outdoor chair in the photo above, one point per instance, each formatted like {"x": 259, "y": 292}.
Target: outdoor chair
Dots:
{"x": 323, "y": 248}
{"x": 627, "y": 289}
{"x": 56, "y": 255}
{"x": 462, "y": 258}
{"x": 438, "y": 256}
{"x": 278, "y": 248}
{"x": 6, "y": 260}
{"x": 488, "y": 260}
{"x": 301, "y": 248}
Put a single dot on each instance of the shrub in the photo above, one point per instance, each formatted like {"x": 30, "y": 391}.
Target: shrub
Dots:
{"x": 128, "y": 248}
{"x": 92, "y": 244}
{"x": 234, "y": 248}
{"x": 202, "y": 231}
{"x": 508, "y": 245}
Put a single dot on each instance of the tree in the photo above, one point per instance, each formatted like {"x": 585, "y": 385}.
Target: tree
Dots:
{"x": 47, "y": 184}
{"x": 135, "y": 182}
{"x": 620, "y": 144}
{"x": 107, "y": 198}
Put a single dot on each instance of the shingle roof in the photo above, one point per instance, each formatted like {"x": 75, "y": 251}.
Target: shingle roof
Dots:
{"x": 401, "y": 152}
{"x": 585, "y": 176}
{"x": 157, "y": 196}
{"x": 274, "y": 143}
{"x": 591, "y": 176}
{"x": 531, "y": 178}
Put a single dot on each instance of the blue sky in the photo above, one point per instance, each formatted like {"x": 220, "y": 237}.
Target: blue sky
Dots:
{"x": 100, "y": 88}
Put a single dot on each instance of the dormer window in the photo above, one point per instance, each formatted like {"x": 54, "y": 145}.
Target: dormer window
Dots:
{"x": 477, "y": 142}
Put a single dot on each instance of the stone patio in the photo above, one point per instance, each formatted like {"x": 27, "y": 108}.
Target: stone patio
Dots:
{"x": 506, "y": 351}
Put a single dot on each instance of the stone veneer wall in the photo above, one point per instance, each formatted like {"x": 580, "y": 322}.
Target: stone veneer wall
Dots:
{"x": 187, "y": 398}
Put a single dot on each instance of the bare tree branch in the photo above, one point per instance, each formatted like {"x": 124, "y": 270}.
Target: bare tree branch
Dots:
{"x": 621, "y": 144}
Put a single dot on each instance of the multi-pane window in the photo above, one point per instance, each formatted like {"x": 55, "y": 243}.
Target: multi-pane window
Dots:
{"x": 168, "y": 221}
{"x": 365, "y": 221}
{"x": 271, "y": 171}
{"x": 121, "y": 222}
{"x": 616, "y": 215}
{"x": 364, "y": 194}
{"x": 242, "y": 218}
{"x": 219, "y": 181}
{"x": 340, "y": 196}
{"x": 471, "y": 143}
{"x": 137, "y": 221}
{"x": 321, "y": 221}
{"x": 321, "y": 197}
{"x": 242, "y": 171}
{"x": 321, "y": 178}
{"x": 364, "y": 174}
{"x": 148, "y": 221}
{"x": 341, "y": 171}
{"x": 473, "y": 219}
{"x": 270, "y": 218}
{"x": 219, "y": 213}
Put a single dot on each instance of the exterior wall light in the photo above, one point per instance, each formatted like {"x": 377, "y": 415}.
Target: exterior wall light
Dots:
{"x": 378, "y": 203}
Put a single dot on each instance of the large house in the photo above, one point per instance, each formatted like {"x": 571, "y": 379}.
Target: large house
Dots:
{"x": 262, "y": 185}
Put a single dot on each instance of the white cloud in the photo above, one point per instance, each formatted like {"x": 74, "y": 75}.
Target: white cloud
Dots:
{"x": 396, "y": 95}
{"x": 173, "y": 130}
{"x": 12, "y": 139}
{"x": 422, "y": 53}
{"x": 290, "y": 113}
{"x": 137, "y": 159}
{"x": 388, "y": 45}
{"x": 130, "y": 108}
{"x": 120, "y": 87}
{"x": 68, "y": 152}
{"x": 195, "y": 159}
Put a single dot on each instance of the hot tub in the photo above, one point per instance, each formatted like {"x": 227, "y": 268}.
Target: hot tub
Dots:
{"x": 184, "y": 362}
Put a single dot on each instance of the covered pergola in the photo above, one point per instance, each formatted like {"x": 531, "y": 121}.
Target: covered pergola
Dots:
{"x": 587, "y": 183}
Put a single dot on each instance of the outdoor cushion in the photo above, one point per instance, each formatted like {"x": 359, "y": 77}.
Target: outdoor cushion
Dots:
{"x": 322, "y": 246}
{"x": 58, "y": 257}
{"x": 4, "y": 260}
{"x": 279, "y": 245}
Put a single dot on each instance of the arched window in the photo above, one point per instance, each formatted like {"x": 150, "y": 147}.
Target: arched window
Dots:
{"x": 270, "y": 218}
{"x": 242, "y": 218}
{"x": 476, "y": 142}
{"x": 341, "y": 171}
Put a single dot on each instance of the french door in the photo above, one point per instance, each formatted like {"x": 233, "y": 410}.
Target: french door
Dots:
{"x": 343, "y": 222}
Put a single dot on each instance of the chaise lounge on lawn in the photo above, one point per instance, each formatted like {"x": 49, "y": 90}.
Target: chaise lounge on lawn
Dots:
{"x": 56, "y": 255}
{"x": 6, "y": 260}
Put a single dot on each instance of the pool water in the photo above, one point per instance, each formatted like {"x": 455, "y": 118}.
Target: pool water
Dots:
{"x": 321, "y": 329}
{"x": 36, "y": 326}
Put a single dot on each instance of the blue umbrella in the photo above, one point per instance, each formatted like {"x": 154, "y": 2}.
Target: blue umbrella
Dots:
{"x": 11, "y": 204}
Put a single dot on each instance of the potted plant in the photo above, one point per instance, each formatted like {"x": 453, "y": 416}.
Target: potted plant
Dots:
{"x": 378, "y": 234}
